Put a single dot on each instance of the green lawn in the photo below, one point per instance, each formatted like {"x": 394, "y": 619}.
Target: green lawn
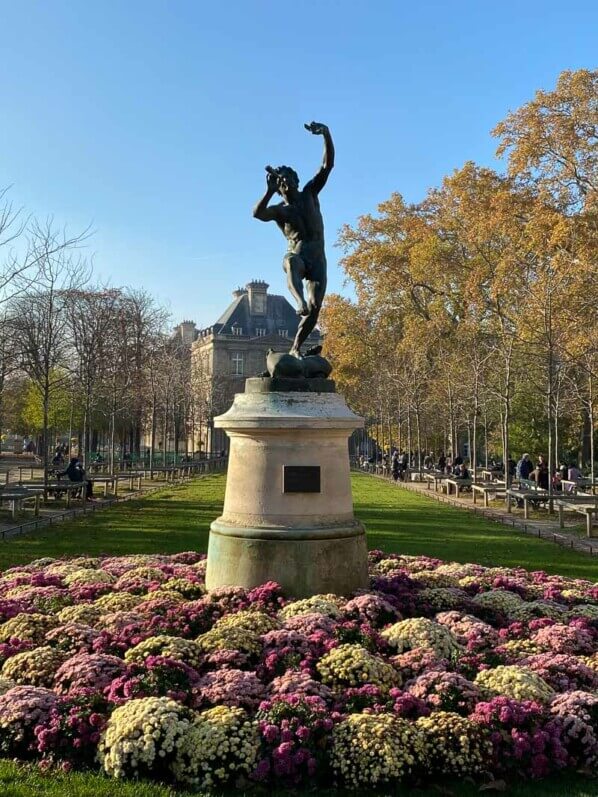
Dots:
{"x": 20, "y": 781}
{"x": 178, "y": 519}
{"x": 26, "y": 781}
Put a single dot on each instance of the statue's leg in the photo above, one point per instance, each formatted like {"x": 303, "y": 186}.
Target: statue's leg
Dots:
{"x": 295, "y": 270}
{"x": 315, "y": 297}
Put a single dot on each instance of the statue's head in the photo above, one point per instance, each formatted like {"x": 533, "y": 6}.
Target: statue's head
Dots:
{"x": 288, "y": 180}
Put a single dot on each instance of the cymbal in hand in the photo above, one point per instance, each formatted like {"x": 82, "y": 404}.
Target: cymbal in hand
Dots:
{"x": 317, "y": 128}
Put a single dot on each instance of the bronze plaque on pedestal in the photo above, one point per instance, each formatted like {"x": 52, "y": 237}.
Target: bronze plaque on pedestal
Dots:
{"x": 301, "y": 479}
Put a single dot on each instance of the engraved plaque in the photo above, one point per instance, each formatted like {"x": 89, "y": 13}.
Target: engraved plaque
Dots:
{"x": 301, "y": 479}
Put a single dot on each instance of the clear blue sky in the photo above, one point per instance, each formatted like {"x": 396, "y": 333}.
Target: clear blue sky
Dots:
{"x": 153, "y": 120}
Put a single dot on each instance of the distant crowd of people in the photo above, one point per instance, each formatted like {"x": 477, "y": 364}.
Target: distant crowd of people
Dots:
{"x": 399, "y": 463}
{"x": 538, "y": 473}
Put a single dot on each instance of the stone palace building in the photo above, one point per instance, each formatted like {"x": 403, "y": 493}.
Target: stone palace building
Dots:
{"x": 235, "y": 346}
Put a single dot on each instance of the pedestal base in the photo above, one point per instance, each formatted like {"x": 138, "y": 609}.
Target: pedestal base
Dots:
{"x": 303, "y": 561}
{"x": 288, "y": 510}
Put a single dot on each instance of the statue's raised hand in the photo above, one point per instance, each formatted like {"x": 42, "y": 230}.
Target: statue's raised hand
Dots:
{"x": 317, "y": 128}
{"x": 271, "y": 178}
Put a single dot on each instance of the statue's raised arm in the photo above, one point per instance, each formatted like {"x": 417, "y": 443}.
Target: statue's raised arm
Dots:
{"x": 318, "y": 181}
{"x": 300, "y": 220}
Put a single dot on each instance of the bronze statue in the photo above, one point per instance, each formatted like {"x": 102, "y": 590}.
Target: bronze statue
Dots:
{"x": 300, "y": 220}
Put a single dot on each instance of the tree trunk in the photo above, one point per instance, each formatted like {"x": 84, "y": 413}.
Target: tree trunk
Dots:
{"x": 591, "y": 414}
{"x": 112, "y": 438}
{"x": 153, "y": 437}
{"x": 486, "y": 434}
{"x": 419, "y": 446}
{"x": 549, "y": 407}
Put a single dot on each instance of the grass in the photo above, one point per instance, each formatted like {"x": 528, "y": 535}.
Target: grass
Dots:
{"x": 402, "y": 521}
{"x": 397, "y": 520}
{"x": 18, "y": 780}
{"x": 178, "y": 519}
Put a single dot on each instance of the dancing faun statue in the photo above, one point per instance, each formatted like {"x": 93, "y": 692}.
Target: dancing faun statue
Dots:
{"x": 300, "y": 219}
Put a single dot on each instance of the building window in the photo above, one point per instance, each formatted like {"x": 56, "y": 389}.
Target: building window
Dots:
{"x": 284, "y": 333}
{"x": 237, "y": 330}
{"x": 237, "y": 361}
{"x": 260, "y": 332}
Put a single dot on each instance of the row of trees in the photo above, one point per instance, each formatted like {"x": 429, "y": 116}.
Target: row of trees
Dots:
{"x": 83, "y": 360}
{"x": 477, "y": 308}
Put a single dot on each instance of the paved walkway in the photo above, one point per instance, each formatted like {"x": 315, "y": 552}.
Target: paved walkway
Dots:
{"x": 546, "y": 529}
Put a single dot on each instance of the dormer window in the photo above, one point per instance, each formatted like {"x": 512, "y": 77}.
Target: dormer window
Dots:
{"x": 260, "y": 332}
{"x": 258, "y": 305}
{"x": 284, "y": 333}
{"x": 237, "y": 330}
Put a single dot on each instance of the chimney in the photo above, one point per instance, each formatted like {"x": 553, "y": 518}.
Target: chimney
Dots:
{"x": 187, "y": 331}
{"x": 257, "y": 290}
{"x": 239, "y": 292}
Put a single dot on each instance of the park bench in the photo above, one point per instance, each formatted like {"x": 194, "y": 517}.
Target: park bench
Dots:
{"x": 436, "y": 478}
{"x": 105, "y": 481}
{"x": 491, "y": 474}
{"x": 71, "y": 489}
{"x": 458, "y": 483}
{"x": 584, "y": 484}
{"x": 30, "y": 469}
{"x": 129, "y": 476}
{"x": 582, "y": 503}
{"x": 16, "y": 496}
{"x": 529, "y": 493}
{"x": 487, "y": 489}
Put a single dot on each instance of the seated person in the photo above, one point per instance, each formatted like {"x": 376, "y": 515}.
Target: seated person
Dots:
{"x": 464, "y": 472}
{"x": 58, "y": 459}
{"x": 574, "y": 474}
{"x": 76, "y": 473}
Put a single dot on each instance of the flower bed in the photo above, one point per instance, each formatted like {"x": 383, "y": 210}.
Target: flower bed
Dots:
{"x": 440, "y": 670}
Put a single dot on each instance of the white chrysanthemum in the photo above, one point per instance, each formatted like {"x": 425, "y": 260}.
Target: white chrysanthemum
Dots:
{"x": 369, "y": 750}
{"x": 352, "y": 665}
{"x": 419, "y": 632}
{"x": 221, "y": 744}
{"x": 143, "y": 735}
{"x": 519, "y": 683}
{"x": 317, "y": 604}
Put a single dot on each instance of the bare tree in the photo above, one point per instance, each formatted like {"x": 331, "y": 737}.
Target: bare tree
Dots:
{"x": 91, "y": 314}
{"x": 137, "y": 323}
{"x": 8, "y": 360}
{"x": 39, "y": 319}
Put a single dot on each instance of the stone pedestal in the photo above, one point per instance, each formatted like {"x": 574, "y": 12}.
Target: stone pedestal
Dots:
{"x": 288, "y": 511}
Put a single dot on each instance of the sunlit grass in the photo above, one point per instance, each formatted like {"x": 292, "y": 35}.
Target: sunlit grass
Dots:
{"x": 27, "y": 781}
{"x": 178, "y": 519}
